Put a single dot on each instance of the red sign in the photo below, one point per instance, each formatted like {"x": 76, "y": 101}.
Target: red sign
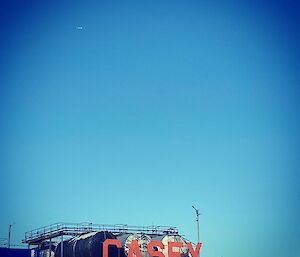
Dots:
{"x": 134, "y": 250}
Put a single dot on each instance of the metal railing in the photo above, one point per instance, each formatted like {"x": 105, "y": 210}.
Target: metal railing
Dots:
{"x": 73, "y": 229}
{"x": 3, "y": 242}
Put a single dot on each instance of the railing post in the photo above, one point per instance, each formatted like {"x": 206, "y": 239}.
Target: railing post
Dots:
{"x": 62, "y": 246}
{"x": 50, "y": 247}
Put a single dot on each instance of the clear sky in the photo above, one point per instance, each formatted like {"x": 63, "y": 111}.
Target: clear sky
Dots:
{"x": 149, "y": 108}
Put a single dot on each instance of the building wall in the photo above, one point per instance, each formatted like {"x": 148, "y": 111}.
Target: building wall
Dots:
{"x": 11, "y": 252}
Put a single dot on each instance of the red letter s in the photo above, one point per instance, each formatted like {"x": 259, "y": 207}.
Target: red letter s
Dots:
{"x": 152, "y": 252}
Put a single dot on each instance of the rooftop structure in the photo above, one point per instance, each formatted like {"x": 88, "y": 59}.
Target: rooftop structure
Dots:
{"x": 37, "y": 236}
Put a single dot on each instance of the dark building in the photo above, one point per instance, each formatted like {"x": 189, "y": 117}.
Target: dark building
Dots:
{"x": 11, "y": 252}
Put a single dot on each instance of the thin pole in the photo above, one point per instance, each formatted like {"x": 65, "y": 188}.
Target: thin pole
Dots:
{"x": 62, "y": 246}
{"x": 197, "y": 220}
{"x": 198, "y": 227}
{"x": 50, "y": 246}
{"x": 9, "y": 233}
{"x": 9, "y": 229}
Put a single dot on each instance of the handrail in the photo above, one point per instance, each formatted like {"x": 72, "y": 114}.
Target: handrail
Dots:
{"x": 73, "y": 229}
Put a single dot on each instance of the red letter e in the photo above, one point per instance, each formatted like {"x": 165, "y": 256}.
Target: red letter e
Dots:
{"x": 170, "y": 249}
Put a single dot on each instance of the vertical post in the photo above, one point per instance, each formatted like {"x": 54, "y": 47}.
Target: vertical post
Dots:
{"x": 9, "y": 229}
{"x": 197, "y": 220}
{"x": 9, "y": 233}
{"x": 198, "y": 229}
{"x": 50, "y": 248}
{"x": 62, "y": 246}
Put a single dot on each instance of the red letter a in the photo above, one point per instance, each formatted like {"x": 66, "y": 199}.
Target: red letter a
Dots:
{"x": 134, "y": 248}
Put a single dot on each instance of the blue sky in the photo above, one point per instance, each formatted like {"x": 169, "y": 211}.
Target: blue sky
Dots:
{"x": 150, "y": 108}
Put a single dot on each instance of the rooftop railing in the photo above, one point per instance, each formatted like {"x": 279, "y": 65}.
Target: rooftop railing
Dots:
{"x": 73, "y": 229}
